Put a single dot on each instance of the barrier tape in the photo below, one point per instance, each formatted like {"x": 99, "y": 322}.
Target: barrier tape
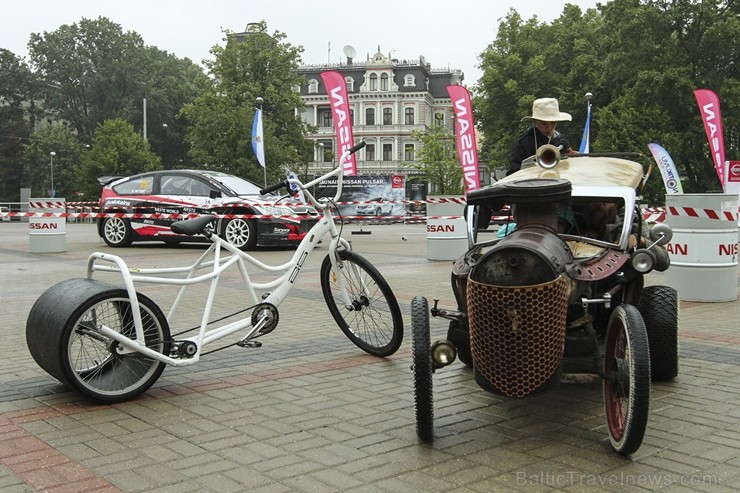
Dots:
{"x": 650, "y": 214}
{"x": 102, "y": 215}
{"x": 441, "y": 200}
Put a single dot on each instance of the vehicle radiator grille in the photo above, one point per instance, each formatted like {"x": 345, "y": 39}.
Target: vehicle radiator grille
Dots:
{"x": 517, "y": 334}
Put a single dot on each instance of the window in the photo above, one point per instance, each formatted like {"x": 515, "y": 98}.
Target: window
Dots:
{"x": 328, "y": 152}
{"x": 409, "y": 116}
{"x": 326, "y": 118}
{"x": 409, "y": 80}
{"x": 408, "y": 152}
{"x": 184, "y": 185}
{"x": 387, "y": 116}
{"x": 370, "y": 116}
{"x": 350, "y": 83}
{"x": 370, "y": 152}
{"x": 373, "y": 82}
{"x": 387, "y": 152}
{"x": 313, "y": 86}
{"x": 384, "y": 82}
{"x": 139, "y": 186}
{"x": 439, "y": 118}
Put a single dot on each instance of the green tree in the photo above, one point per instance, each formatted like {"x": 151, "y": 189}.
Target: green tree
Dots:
{"x": 17, "y": 86}
{"x": 643, "y": 91}
{"x": 117, "y": 150}
{"x": 256, "y": 65}
{"x": 93, "y": 71}
{"x": 438, "y": 163}
{"x": 39, "y": 164}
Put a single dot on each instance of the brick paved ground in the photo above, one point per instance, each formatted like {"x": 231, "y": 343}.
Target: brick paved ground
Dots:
{"x": 309, "y": 412}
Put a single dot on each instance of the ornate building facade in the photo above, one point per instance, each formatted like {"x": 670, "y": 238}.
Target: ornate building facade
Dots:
{"x": 389, "y": 99}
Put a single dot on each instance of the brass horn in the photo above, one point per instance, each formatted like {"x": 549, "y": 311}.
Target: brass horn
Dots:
{"x": 548, "y": 156}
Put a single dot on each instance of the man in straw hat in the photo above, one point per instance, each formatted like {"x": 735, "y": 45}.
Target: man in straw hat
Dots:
{"x": 545, "y": 116}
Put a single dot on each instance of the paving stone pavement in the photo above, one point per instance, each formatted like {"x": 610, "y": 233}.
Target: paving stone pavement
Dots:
{"x": 309, "y": 412}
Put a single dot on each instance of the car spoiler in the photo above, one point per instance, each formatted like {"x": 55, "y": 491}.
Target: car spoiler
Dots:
{"x": 105, "y": 179}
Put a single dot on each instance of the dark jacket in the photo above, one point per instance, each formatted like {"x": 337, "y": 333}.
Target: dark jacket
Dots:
{"x": 524, "y": 146}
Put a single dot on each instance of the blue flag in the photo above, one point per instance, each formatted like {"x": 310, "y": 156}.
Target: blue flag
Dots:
{"x": 585, "y": 141}
{"x": 257, "y": 138}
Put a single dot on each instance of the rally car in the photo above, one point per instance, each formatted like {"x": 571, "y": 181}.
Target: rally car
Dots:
{"x": 144, "y": 206}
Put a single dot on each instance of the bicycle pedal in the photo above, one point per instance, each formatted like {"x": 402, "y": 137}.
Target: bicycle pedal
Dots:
{"x": 249, "y": 344}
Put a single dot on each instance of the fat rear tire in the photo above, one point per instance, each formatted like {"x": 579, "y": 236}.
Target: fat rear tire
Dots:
{"x": 63, "y": 338}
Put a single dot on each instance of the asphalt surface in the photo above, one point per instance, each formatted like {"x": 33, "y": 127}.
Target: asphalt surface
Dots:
{"x": 309, "y": 412}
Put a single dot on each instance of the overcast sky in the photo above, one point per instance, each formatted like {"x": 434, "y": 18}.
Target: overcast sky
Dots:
{"x": 449, "y": 34}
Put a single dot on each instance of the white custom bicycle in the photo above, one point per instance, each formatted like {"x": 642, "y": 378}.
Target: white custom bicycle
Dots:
{"x": 112, "y": 343}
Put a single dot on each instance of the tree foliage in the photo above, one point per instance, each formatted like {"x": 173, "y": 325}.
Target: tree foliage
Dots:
{"x": 642, "y": 91}
{"x": 93, "y": 71}
{"x": 17, "y": 92}
{"x": 117, "y": 149}
{"x": 38, "y": 163}
{"x": 438, "y": 163}
{"x": 259, "y": 65}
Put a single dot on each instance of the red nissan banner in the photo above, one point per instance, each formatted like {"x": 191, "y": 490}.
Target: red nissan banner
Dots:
{"x": 710, "y": 114}
{"x": 336, "y": 89}
{"x": 465, "y": 134}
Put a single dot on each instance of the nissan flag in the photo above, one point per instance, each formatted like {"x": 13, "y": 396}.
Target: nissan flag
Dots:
{"x": 465, "y": 136}
{"x": 710, "y": 114}
{"x": 336, "y": 89}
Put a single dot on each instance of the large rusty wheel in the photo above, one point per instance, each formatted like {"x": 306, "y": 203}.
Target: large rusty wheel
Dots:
{"x": 627, "y": 379}
{"x": 422, "y": 366}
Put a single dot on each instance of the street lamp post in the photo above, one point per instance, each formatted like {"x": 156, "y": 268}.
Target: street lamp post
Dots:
{"x": 51, "y": 157}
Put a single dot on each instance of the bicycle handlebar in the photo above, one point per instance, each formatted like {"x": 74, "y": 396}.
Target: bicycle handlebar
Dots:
{"x": 345, "y": 155}
{"x": 356, "y": 147}
{"x": 272, "y": 188}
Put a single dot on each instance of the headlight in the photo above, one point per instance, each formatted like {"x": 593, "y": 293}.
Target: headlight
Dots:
{"x": 643, "y": 261}
{"x": 443, "y": 353}
{"x": 272, "y": 210}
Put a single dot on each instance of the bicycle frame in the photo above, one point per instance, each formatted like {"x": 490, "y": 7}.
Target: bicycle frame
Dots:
{"x": 279, "y": 288}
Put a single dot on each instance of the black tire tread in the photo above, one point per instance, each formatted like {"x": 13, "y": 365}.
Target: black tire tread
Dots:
{"x": 422, "y": 368}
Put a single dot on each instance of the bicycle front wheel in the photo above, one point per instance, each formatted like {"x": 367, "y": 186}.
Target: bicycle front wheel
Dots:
{"x": 373, "y": 319}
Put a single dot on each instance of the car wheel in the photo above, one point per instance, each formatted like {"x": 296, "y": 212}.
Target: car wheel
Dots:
{"x": 242, "y": 233}
{"x": 659, "y": 309}
{"x": 117, "y": 232}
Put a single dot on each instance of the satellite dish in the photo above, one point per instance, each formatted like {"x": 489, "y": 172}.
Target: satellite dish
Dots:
{"x": 349, "y": 51}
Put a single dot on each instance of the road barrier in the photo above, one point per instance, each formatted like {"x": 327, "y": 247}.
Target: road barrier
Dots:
{"x": 47, "y": 230}
{"x": 704, "y": 247}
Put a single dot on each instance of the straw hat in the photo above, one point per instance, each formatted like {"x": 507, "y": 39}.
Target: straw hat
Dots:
{"x": 547, "y": 110}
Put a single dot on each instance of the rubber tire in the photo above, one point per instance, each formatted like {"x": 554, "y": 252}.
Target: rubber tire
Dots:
{"x": 377, "y": 328}
{"x": 422, "y": 367}
{"x": 56, "y": 346}
{"x": 117, "y": 232}
{"x": 659, "y": 309}
{"x": 626, "y": 415}
{"x": 242, "y": 233}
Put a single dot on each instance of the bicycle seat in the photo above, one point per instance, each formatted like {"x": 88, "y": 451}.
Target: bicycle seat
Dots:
{"x": 193, "y": 226}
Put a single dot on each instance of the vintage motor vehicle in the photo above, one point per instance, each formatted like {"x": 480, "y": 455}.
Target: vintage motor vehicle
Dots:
{"x": 544, "y": 300}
